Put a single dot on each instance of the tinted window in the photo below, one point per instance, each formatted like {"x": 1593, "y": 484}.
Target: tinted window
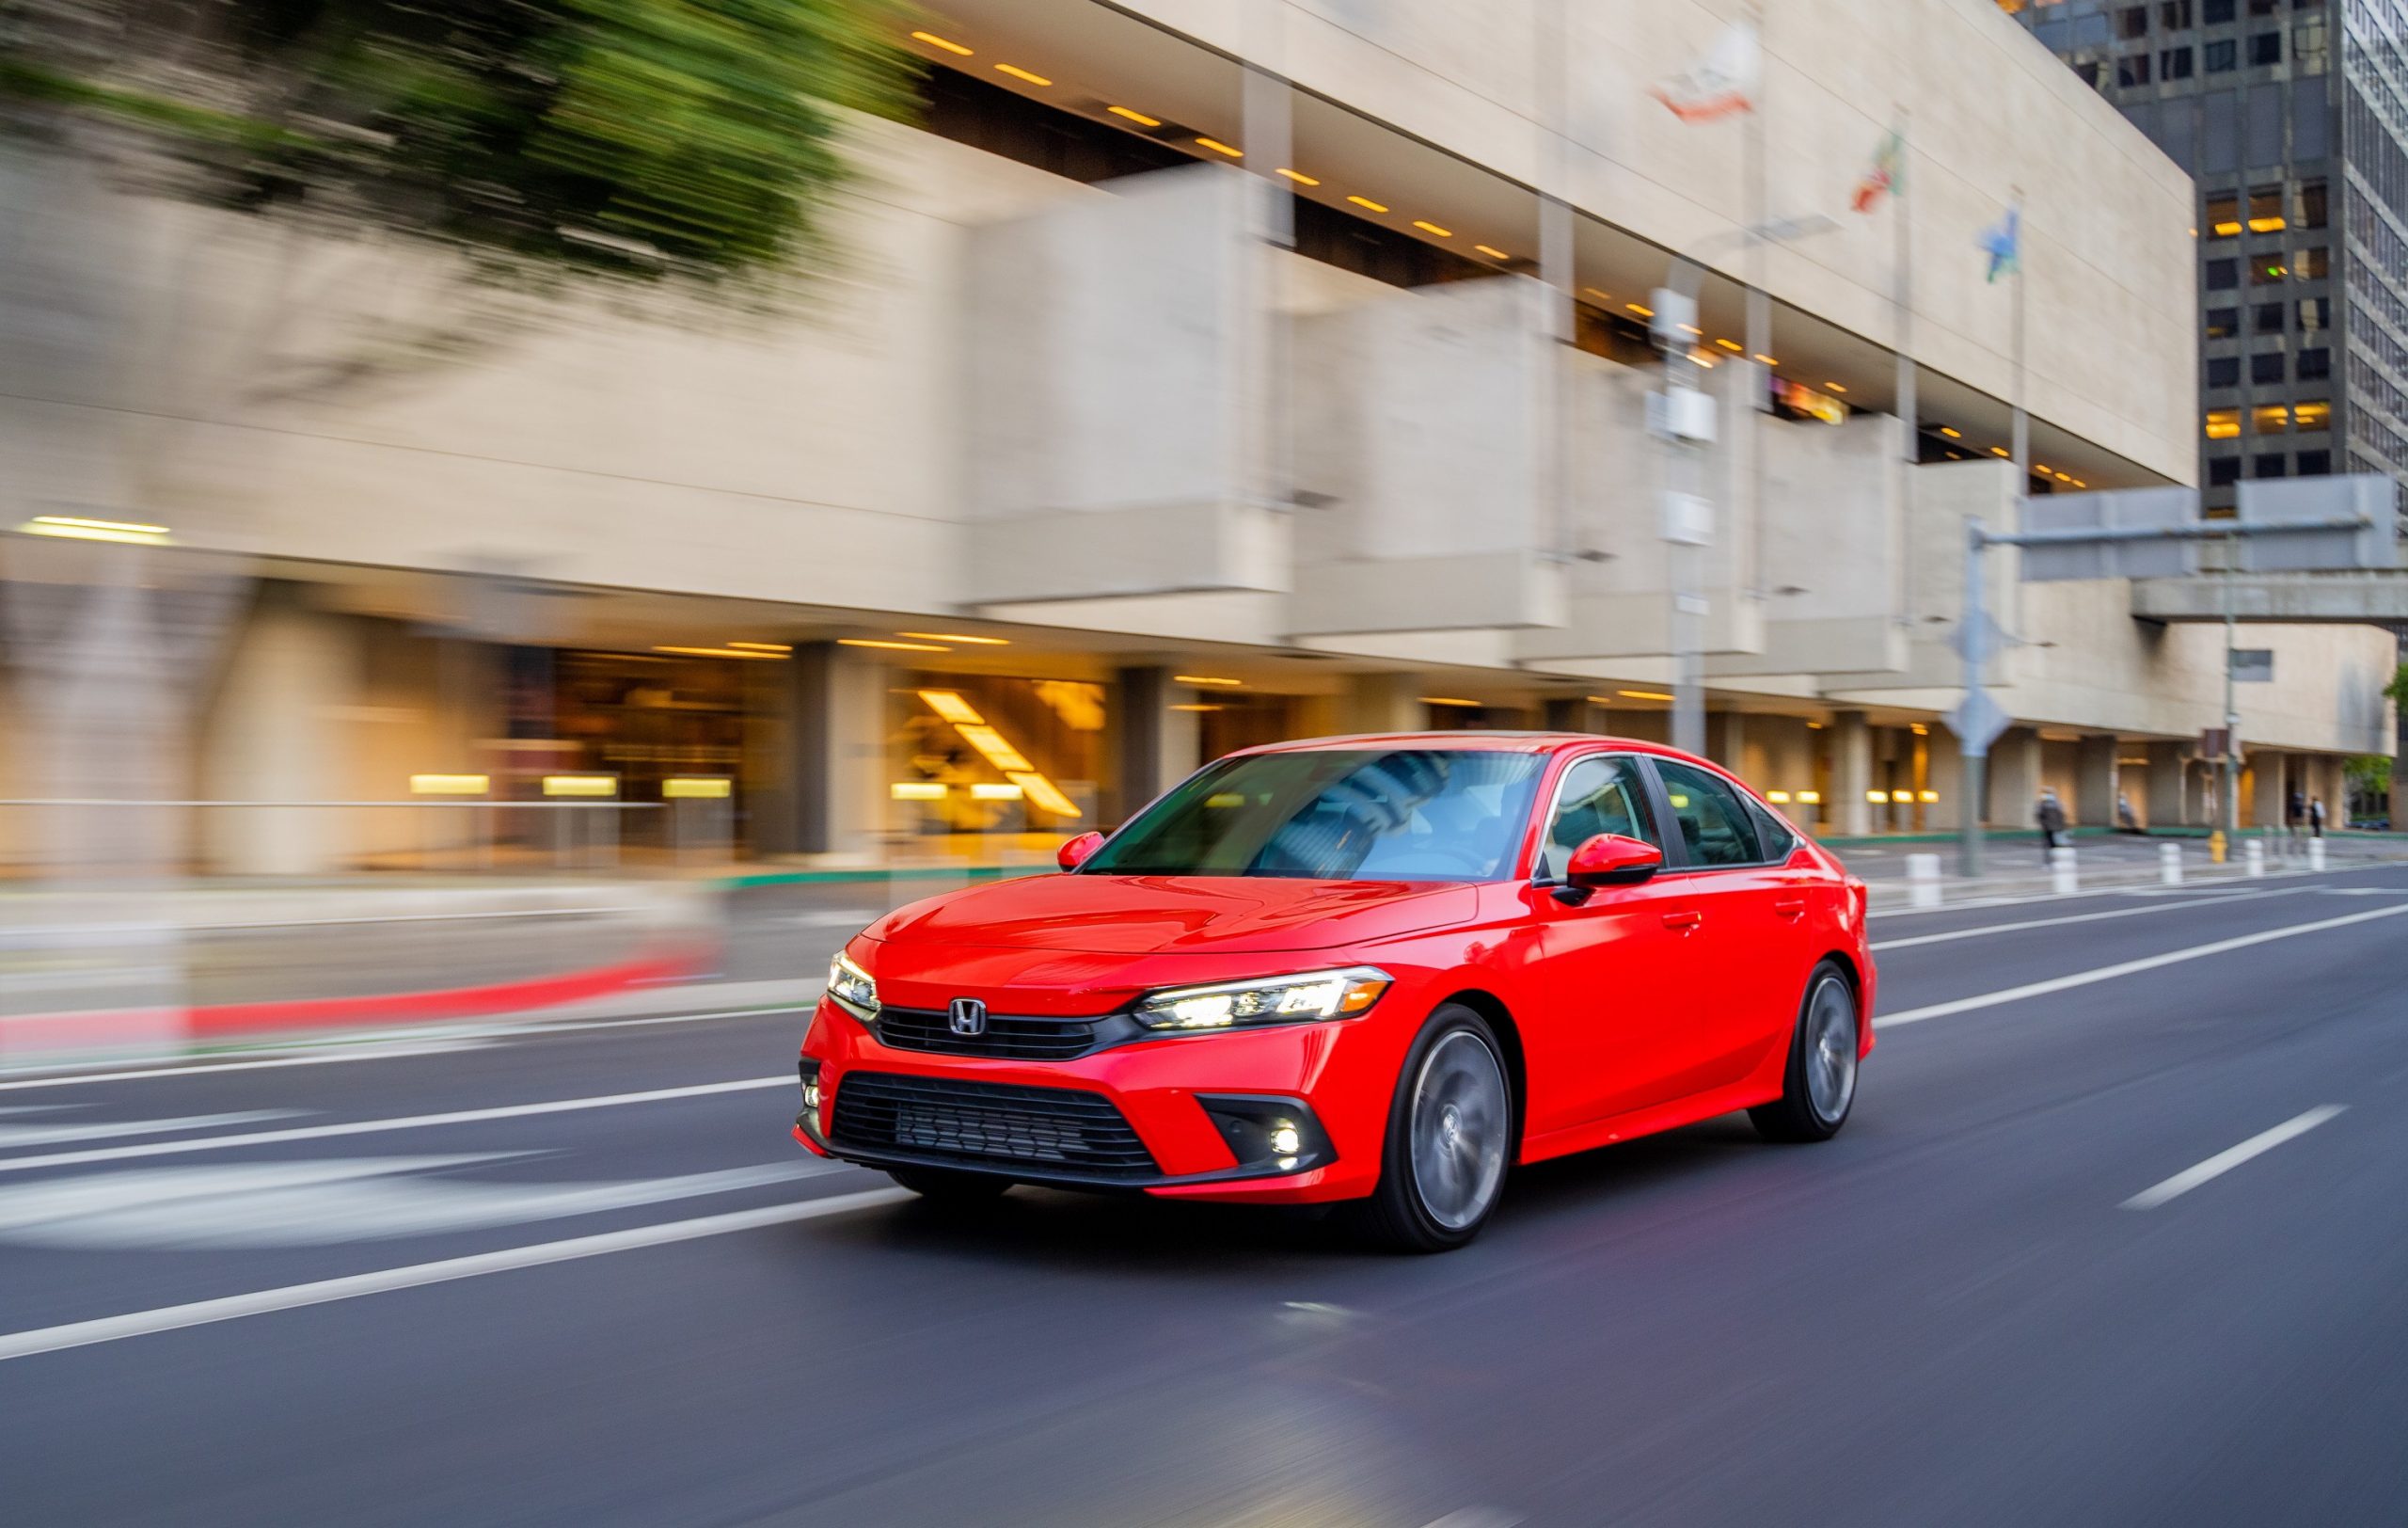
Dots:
{"x": 1408, "y": 814}
{"x": 1599, "y": 795}
{"x": 1715, "y": 825}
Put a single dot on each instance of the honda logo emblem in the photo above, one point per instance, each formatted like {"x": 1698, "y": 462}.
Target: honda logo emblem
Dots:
{"x": 967, "y": 1016}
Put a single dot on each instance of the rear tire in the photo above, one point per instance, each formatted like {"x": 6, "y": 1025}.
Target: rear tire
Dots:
{"x": 1449, "y": 1138}
{"x": 944, "y": 1186}
{"x": 1819, "y": 1086}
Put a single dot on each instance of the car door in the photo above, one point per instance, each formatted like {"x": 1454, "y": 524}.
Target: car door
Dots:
{"x": 1604, "y": 966}
{"x": 1751, "y": 930}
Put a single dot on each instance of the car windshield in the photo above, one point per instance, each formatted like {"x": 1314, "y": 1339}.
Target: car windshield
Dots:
{"x": 1371, "y": 814}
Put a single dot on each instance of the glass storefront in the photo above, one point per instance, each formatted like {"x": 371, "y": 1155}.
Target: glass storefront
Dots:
{"x": 982, "y": 757}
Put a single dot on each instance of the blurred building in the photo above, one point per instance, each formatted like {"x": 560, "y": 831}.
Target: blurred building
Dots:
{"x": 1194, "y": 377}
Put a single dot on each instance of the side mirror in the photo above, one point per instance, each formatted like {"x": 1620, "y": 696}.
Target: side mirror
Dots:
{"x": 1073, "y": 854}
{"x": 1611, "y": 860}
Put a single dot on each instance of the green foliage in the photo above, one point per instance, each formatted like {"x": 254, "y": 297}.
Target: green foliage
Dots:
{"x": 2397, "y": 689}
{"x": 2369, "y": 773}
{"x": 680, "y": 143}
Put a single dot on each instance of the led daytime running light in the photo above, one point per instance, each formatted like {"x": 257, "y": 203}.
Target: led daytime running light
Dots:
{"x": 850, "y": 988}
{"x": 1307, "y": 997}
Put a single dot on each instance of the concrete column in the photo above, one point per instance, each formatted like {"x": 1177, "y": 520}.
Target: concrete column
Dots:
{"x": 1383, "y": 703}
{"x": 833, "y": 800}
{"x": 274, "y": 733}
{"x": 1157, "y": 746}
{"x": 1726, "y": 742}
{"x": 2095, "y": 782}
{"x": 1944, "y": 771}
{"x": 2167, "y": 805}
{"x": 2014, "y": 779}
{"x": 2265, "y": 802}
{"x": 1851, "y": 773}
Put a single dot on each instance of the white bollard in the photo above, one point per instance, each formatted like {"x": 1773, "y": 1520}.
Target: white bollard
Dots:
{"x": 2169, "y": 865}
{"x": 1923, "y": 880}
{"x": 2253, "y": 857}
{"x": 2316, "y": 853}
{"x": 2061, "y": 878}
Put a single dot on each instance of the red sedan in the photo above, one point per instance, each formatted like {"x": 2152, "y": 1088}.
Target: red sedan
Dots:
{"x": 1377, "y": 969}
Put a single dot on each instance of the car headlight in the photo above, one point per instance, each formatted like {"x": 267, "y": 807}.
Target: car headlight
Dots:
{"x": 1303, "y": 998}
{"x": 852, "y": 989}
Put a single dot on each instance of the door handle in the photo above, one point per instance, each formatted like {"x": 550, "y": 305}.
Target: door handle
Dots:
{"x": 1789, "y": 907}
{"x": 1683, "y": 921}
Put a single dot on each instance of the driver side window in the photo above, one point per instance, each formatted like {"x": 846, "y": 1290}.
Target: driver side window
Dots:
{"x": 1599, "y": 795}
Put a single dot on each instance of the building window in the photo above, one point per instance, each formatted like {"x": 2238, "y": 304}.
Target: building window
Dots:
{"x": 2266, "y": 318}
{"x": 2266, "y": 366}
{"x": 2216, "y": 12}
{"x": 2315, "y": 462}
{"x": 2266, "y": 48}
{"x": 2267, "y": 270}
{"x": 2224, "y": 215}
{"x": 2223, "y": 370}
{"x": 2313, "y": 414}
{"x": 2270, "y": 419}
{"x": 2223, "y": 323}
{"x": 2315, "y": 314}
{"x": 2131, "y": 21}
{"x": 2174, "y": 64}
{"x": 2308, "y": 51}
{"x": 2311, "y": 205}
{"x": 2223, "y": 275}
{"x": 2266, "y": 208}
{"x": 2173, "y": 15}
{"x": 2268, "y": 464}
{"x": 2314, "y": 365}
{"x": 2264, "y": 8}
{"x": 2311, "y": 264}
{"x": 2222, "y": 470}
{"x": 2132, "y": 69}
{"x": 2224, "y": 423}
{"x": 2220, "y": 57}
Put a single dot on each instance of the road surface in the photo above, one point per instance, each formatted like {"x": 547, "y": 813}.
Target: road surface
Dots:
{"x": 2118, "y": 1236}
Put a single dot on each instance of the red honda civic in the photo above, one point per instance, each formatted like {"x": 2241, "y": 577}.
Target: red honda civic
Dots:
{"x": 1377, "y": 969}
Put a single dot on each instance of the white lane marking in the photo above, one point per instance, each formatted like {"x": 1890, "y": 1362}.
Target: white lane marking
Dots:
{"x": 2364, "y": 891}
{"x": 17, "y": 1345}
{"x": 327, "y": 1202}
{"x": 2224, "y": 1161}
{"x": 2124, "y": 968}
{"x": 1476, "y": 1517}
{"x": 858, "y": 917}
{"x": 412, "y": 1122}
{"x": 13, "y": 1135}
{"x": 2207, "y": 883}
{"x": 363, "y": 1053}
{"x": 2079, "y": 917}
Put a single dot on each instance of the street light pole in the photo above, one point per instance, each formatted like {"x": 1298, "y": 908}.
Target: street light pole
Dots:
{"x": 1975, "y": 748}
{"x": 2228, "y": 799}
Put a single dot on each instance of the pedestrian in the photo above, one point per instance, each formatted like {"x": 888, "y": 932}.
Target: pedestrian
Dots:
{"x": 2315, "y": 817}
{"x": 2127, "y": 820}
{"x": 2052, "y": 815}
{"x": 2294, "y": 811}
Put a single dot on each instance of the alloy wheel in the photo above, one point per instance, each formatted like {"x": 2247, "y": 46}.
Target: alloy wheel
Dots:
{"x": 1459, "y": 1129}
{"x": 1831, "y": 1054}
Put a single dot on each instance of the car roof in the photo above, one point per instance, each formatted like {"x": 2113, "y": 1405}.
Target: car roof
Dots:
{"x": 1506, "y": 743}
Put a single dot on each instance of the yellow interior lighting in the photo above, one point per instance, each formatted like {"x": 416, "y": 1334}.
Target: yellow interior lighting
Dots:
{"x": 2313, "y": 415}
{"x": 2222, "y": 424}
{"x": 1764, "y": 359}
{"x": 916, "y": 790}
{"x": 730, "y": 651}
{"x": 1691, "y": 328}
{"x": 2226, "y": 228}
{"x": 1810, "y": 798}
{"x": 1019, "y": 73}
{"x": 1447, "y": 700}
{"x": 2000, "y": 451}
{"x": 1919, "y": 729}
{"x": 1835, "y": 387}
{"x": 449, "y": 785}
{"x": 986, "y": 791}
{"x": 2267, "y": 225}
{"x": 1952, "y": 435}
{"x": 76, "y": 528}
{"x": 1727, "y": 344}
{"x": 764, "y": 646}
{"x": 1643, "y": 312}
{"x": 580, "y": 785}
{"x": 1779, "y": 798}
{"x": 1366, "y": 201}
{"x": 950, "y": 706}
{"x": 1434, "y": 228}
{"x": 1491, "y": 251}
{"x": 1199, "y": 705}
{"x": 1601, "y": 296}
{"x": 1644, "y": 694}
{"x": 1880, "y": 798}
{"x": 1135, "y": 116}
{"x": 1220, "y": 148}
{"x": 1045, "y": 793}
{"x": 1927, "y": 797}
{"x": 961, "y": 637}
{"x": 697, "y": 788}
{"x": 993, "y": 747}
{"x": 1206, "y": 678}
{"x": 894, "y": 647}
{"x": 947, "y": 43}
{"x": 1300, "y": 177}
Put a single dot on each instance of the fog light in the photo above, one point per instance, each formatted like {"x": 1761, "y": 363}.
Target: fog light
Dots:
{"x": 1285, "y": 1138}
{"x": 810, "y": 1096}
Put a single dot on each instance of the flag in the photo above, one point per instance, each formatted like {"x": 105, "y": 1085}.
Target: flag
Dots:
{"x": 1881, "y": 178}
{"x": 2003, "y": 242}
{"x": 1721, "y": 83}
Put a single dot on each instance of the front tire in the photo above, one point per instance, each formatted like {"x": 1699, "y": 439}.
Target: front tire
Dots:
{"x": 944, "y": 1186}
{"x": 1819, "y": 1086}
{"x": 1450, "y": 1138}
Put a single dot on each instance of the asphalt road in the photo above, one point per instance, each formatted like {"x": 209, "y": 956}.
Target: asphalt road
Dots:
{"x": 2016, "y": 1290}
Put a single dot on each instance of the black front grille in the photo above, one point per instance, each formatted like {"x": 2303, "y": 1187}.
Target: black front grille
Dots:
{"x": 1007, "y": 1038}
{"x": 989, "y": 1124}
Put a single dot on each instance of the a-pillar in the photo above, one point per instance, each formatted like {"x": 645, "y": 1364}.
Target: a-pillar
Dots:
{"x": 1383, "y": 703}
{"x": 2014, "y": 795}
{"x": 271, "y": 736}
{"x": 2168, "y": 777}
{"x": 2094, "y": 782}
{"x": 1851, "y": 773}
{"x": 1157, "y": 745}
{"x": 830, "y": 797}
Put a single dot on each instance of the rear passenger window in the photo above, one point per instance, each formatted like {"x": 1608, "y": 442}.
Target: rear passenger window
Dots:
{"x": 1715, "y": 825}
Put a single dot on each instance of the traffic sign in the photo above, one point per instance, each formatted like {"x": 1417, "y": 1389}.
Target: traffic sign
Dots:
{"x": 2138, "y": 511}
{"x": 1977, "y": 721}
{"x": 2272, "y": 502}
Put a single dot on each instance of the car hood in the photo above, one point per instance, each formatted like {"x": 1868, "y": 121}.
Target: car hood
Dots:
{"x": 1146, "y": 915}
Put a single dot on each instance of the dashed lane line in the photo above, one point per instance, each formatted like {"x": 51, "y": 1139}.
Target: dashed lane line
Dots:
{"x": 1951, "y": 934}
{"x": 2224, "y": 1161}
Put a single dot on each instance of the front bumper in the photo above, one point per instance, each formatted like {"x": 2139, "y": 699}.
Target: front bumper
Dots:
{"x": 1203, "y": 1108}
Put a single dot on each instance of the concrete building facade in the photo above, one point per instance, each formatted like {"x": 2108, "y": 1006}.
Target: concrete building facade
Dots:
{"x": 1196, "y": 374}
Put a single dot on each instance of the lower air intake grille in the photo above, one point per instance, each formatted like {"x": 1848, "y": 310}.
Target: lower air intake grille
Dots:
{"x": 989, "y": 1124}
